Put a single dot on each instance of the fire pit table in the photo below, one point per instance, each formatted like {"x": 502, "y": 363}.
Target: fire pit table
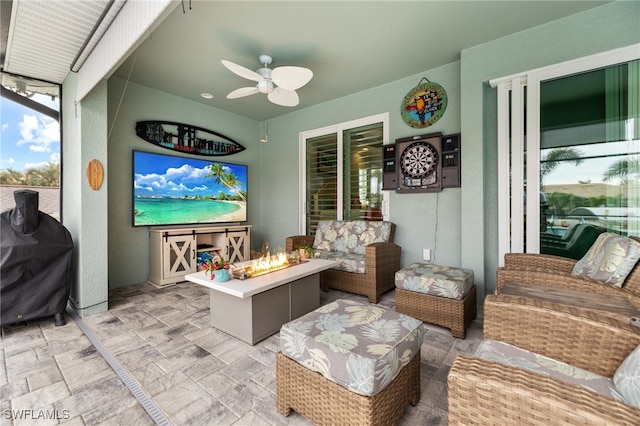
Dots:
{"x": 255, "y": 308}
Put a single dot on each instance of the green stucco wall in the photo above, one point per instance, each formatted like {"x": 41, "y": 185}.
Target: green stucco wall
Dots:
{"x": 129, "y": 246}
{"x": 597, "y": 30}
{"x": 459, "y": 223}
{"x": 418, "y": 224}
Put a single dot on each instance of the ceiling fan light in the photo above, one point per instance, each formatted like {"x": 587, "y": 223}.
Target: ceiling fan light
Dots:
{"x": 265, "y": 86}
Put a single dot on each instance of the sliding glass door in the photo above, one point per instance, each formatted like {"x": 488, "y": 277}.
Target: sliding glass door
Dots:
{"x": 589, "y": 156}
{"x": 568, "y": 151}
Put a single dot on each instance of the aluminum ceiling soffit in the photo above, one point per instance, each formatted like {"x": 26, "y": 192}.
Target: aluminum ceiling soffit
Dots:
{"x": 26, "y": 53}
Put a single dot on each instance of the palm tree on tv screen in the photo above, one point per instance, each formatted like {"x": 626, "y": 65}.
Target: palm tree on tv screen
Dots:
{"x": 228, "y": 179}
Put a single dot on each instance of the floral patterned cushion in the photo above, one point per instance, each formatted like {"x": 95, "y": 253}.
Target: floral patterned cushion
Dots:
{"x": 627, "y": 378}
{"x": 346, "y": 261}
{"x": 610, "y": 259}
{"x": 493, "y": 350}
{"x": 359, "y": 346}
{"x": 445, "y": 281}
{"x": 350, "y": 236}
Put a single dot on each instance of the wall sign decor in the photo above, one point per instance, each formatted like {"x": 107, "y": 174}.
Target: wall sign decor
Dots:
{"x": 424, "y": 104}
{"x": 187, "y": 138}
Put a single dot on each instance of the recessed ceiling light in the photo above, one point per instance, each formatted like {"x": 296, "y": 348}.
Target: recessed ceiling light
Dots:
{"x": 206, "y": 95}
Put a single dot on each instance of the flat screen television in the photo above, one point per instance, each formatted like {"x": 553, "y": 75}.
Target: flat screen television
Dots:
{"x": 173, "y": 190}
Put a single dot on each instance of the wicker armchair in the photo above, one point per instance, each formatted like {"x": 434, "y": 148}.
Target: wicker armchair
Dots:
{"x": 582, "y": 338}
{"x": 484, "y": 392}
{"x": 488, "y": 393}
{"x": 382, "y": 261}
{"x": 552, "y": 274}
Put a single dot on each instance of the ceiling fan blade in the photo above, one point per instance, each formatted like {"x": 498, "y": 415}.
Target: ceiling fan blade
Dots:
{"x": 280, "y": 96}
{"x": 242, "y": 71}
{"x": 243, "y": 91}
{"x": 291, "y": 78}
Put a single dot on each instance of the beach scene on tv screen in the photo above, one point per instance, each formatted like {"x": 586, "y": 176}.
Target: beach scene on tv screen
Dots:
{"x": 170, "y": 190}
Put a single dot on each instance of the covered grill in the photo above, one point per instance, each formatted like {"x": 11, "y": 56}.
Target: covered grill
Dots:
{"x": 36, "y": 254}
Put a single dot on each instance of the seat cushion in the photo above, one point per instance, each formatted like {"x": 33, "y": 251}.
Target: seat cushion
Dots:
{"x": 350, "y": 236}
{"x": 362, "y": 347}
{"x": 504, "y": 353}
{"x": 346, "y": 261}
{"x": 436, "y": 280}
{"x": 610, "y": 259}
{"x": 627, "y": 378}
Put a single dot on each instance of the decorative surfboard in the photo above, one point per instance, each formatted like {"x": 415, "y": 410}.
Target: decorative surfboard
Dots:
{"x": 187, "y": 138}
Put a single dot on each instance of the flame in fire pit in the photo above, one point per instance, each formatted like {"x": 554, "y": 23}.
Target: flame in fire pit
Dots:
{"x": 263, "y": 265}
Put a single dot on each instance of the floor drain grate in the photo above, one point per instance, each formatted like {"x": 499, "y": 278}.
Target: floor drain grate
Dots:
{"x": 140, "y": 394}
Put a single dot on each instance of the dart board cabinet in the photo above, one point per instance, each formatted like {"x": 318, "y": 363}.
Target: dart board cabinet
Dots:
{"x": 419, "y": 163}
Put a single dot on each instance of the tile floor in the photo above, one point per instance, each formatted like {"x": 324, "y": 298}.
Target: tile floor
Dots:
{"x": 194, "y": 373}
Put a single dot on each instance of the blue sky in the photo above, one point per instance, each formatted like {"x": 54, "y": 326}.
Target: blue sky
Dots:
{"x": 168, "y": 175}
{"x": 29, "y": 139}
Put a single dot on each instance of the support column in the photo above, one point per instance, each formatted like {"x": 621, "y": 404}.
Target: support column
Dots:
{"x": 84, "y": 210}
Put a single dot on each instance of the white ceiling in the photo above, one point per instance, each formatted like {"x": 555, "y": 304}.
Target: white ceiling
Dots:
{"x": 349, "y": 46}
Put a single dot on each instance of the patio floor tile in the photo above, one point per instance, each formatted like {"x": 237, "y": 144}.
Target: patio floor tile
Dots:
{"x": 195, "y": 374}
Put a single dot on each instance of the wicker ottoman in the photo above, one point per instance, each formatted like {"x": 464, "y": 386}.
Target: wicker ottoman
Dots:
{"x": 347, "y": 363}
{"x": 441, "y": 295}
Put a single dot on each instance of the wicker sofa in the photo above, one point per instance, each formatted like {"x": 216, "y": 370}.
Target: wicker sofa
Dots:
{"x": 366, "y": 255}
{"x": 484, "y": 391}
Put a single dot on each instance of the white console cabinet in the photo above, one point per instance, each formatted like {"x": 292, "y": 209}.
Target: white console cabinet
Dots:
{"x": 173, "y": 253}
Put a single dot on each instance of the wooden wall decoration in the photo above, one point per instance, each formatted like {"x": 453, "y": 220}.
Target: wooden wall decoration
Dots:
{"x": 95, "y": 174}
{"x": 187, "y": 138}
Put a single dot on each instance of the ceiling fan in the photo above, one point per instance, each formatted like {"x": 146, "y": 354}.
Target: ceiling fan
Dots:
{"x": 279, "y": 84}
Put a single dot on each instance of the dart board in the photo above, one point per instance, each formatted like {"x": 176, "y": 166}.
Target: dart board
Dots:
{"x": 419, "y": 160}
{"x": 419, "y": 166}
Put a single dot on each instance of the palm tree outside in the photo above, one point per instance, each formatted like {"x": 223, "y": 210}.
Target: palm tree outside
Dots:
{"x": 557, "y": 156}
{"x": 625, "y": 170}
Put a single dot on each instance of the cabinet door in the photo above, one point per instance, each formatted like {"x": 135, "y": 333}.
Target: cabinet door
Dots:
{"x": 179, "y": 252}
{"x": 238, "y": 246}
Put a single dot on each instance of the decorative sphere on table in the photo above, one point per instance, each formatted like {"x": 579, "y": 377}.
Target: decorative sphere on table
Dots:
{"x": 222, "y": 275}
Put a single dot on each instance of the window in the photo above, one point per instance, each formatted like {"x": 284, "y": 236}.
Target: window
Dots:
{"x": 30, "y": 157}
{"x": 343, "y": 172}
{"x": 568, "y": 147}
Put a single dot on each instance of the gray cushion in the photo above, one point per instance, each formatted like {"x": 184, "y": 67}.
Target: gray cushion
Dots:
{"x": 493, "y": 350}
{"x": 610, "y": 259}
{"x": 362, "y": 347}
{"x": 436, "y": 280}
{"x": 627, "y": 378}
{"x": 350, "y": 236}
{"x": 346, "y": 261}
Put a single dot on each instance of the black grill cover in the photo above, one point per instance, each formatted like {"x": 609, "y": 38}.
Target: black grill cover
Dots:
{"x": 36, "y": 254}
